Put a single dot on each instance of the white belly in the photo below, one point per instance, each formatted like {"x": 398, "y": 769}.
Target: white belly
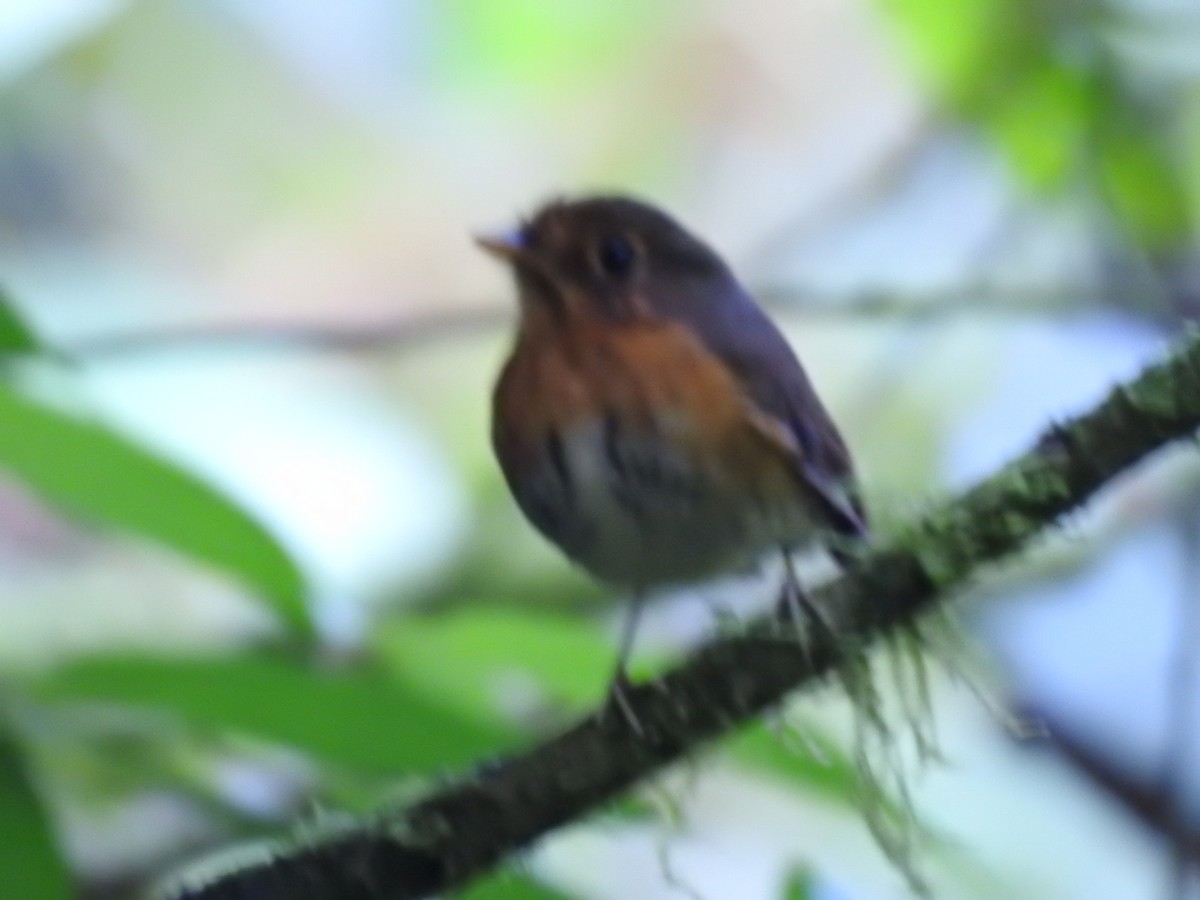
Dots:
{"x": 645, "y": 517}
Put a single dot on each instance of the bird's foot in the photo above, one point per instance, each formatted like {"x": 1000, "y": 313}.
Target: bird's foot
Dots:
{"x": 795, "y": 607}
{"x": 618, "y": 703}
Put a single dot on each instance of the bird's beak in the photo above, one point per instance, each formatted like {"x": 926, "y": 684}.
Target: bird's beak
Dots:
{"x": 509, "y": 246}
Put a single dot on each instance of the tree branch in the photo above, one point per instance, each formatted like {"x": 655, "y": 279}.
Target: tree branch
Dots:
{"x": 468, "y": 826}
{"x": 396, "y": 334}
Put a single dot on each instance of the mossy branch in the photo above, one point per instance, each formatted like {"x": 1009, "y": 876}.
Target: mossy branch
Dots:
{"x": 464, "y": 828}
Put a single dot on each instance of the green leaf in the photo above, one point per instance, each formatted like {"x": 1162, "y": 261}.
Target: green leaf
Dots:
{"x": 1042, "y": 122}
{"x": 29, "y": 860}
{"x": 798, "y": 887}
{"x": 1145, "y": 187}
{"x": 464, "y": 656}
{"x": 508, "y": 885}
{"x": 15, "y": 336}
{"x": 1015, "y": 69}
{"x": 95, "y": 472}
{"x": 950, "y": 43}
{"x": 812, "y": 761}
{"x": 360, "y": 720}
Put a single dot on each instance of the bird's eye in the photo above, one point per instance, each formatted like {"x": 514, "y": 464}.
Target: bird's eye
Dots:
{"x": 615, "y": 255}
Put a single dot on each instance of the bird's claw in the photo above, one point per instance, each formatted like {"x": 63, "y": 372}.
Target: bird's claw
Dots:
{"x": 618, "y": 700}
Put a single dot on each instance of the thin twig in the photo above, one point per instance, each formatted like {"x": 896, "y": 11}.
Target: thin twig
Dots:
{"x": 398, "y": 334}
{"x": 385, "y": 336}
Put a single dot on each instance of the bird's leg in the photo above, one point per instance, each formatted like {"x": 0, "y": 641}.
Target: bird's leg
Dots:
{"x": 619, "y": 687}
{"x": 793, "y": 601}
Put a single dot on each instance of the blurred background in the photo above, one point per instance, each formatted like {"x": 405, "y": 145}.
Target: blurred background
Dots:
{"x": 258, "y": 568}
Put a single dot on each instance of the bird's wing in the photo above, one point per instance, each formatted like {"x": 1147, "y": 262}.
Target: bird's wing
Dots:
{"x": 739, "y": 333}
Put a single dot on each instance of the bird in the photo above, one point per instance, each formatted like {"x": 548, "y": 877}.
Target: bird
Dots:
{"x": 650, "y": 419}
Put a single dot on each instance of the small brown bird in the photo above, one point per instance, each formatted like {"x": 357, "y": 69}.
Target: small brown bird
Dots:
{"x": 651, "y": 420}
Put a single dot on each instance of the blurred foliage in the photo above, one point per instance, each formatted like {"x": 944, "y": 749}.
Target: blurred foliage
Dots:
{"x": 15, "y": 337}
{"x": 799, "y": 887}
{"x": 547, "y": 46}
{"x": 1045, "y": 83}
{"x": 509, "y": 886}
{"x": 802, "y": 755}
{"x": 97, "y": 473}
{"x": 29, "y": 859}
{"x": 565, "y": 656}
{"x": 361, "y": 720}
